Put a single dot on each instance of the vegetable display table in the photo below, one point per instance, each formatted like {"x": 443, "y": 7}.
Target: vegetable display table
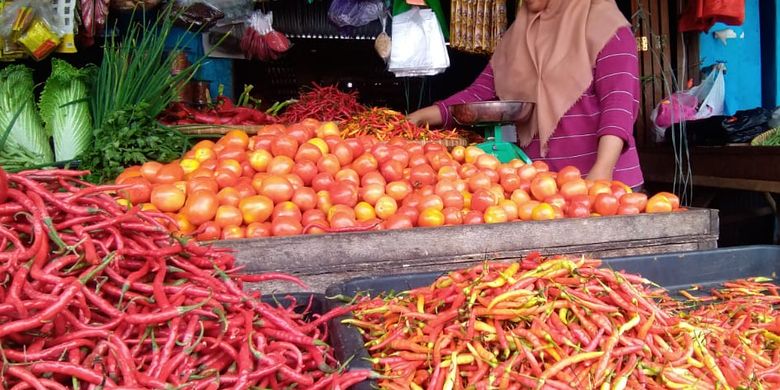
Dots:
{"x": 322, "y": 260}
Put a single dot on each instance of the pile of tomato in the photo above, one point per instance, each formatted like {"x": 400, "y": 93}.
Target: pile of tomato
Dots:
{"x": 305, "y": 179}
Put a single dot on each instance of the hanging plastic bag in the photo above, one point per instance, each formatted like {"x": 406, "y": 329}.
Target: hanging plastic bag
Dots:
{"x": 418, "y": 47}
{"x": 702, "y": 101}
{"x": 355, "y": 13}
{"x": 261, "y": 41}
{"x": 32, "y": 25}
{"x": 383, "y": 43}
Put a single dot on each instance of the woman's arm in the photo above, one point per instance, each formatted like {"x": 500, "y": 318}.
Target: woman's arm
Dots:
{"x": 482, "y": 89}
{"x": 617, "y": 88}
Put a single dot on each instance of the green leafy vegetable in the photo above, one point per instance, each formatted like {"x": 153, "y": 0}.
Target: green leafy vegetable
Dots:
{"x": 64, "y": 109}
{"x": 131, "y": 137}
{"x": 27, "y": 143}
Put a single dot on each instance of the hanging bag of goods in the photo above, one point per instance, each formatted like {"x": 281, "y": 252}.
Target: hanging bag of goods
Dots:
{"x": 261, "y": 41}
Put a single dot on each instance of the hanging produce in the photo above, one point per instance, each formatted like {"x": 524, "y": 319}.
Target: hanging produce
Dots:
{"x": 261, "y": 41}
{"x": 94, "y": 14}
{"x": 477, "y": 26}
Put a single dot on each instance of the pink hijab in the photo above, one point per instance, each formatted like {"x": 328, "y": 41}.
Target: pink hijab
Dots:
{"x": 548, "y": 58}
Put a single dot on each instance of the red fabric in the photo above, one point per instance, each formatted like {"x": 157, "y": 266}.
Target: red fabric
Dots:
{"x": 701, "y": 15}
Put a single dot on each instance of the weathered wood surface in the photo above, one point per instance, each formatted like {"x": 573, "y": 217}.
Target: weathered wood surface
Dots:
{"x": 326, "y": 259}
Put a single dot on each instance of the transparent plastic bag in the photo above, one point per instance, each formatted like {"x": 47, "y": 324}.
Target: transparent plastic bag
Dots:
{"x": 418, "y": 47}
{"x": 32, "y": 25}
{"x": 355, "y": 13}
{"x": 261, "y": 41}
{"x": 383, "y": 43}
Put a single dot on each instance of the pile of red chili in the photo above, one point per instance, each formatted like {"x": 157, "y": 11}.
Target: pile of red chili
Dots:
{"x": 99, "y": 296}
{"x": 325, "y": 104}
{"x": 224, "y": 112}
{"x": 564, "y": 323}
{"x": 386, "y": 124}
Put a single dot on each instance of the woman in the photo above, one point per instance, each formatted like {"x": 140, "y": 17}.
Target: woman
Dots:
{"x": 577, "y": 60}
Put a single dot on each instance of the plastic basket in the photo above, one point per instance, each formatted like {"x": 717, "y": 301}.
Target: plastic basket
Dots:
{"x": 66, "y": 10}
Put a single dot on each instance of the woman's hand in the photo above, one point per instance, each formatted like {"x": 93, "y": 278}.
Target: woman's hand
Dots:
{"x": 609, "y": 151}
{"x": 430, "y": 115}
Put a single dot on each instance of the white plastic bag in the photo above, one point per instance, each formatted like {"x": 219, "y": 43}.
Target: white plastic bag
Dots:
{"x": 700, "y": 102}
{"x": 418, "y": 47}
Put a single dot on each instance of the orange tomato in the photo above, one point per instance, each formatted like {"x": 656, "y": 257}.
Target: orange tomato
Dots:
{"x": 574, "y": 187}
{"x": 453, "y": 199}
{"x": 543, "y": 212}
{"x": 308, "y": 152}
{"x": 281, "y": 165}
{"x": 628, "y": 209}
{"x": 229, "y": 196}
{"x": 567, "y": 174}
{"x": 527, "y": 172}
{"x": 636, "y": 199}
{"x": 225, "y": 178}
{"x": 482, "y": 199}
{"x": 371, "y": 193}
{"x": 487, "y": 161}
{"x": 257, "y": 208}
{"x": 233, "y": 153}
{"x": 320, "y": 144}
{"x": 183, "y": 225}
{"x": 459, "y": 153}
{"x": 348, "y": 175}
{"x": 364, "y": 212}
{"x": 167, "y": 198}
{"x": 326, "y": 129}
{"x": 398, "y": 190}
{"x": 471, "y": 154}
{"x": 543, "y": 187}
{"x": 600, "y": 187}
{"x": 238, "y": 138}
{"x": 329, "y": 164}
{"x": 230, "y": 165}
{"x": 510, "y": 182}
{"x": 286, "y": 209}
{"x": 200, "y": 172}
{"x": 385, "y": 207}
{"x": 430, "y": 217}
{"x": 673, "y": 199}
{"x": 259, "y": 160}
{"x": 276, "y": 188}
{"x": 149, "y": 170}
{"x": 258, "y": 230}
{"x": 511, "y": 209}
{"x": 452, "y": 216}
{"x": 541, "y": 166}
{"x": 431, "y": 202}
{"x": 373, "y": 178}
{"x": 659, "y": 203}
{"x": 233, "y": 233}
{"x": 286, "y": 226}
{"x": 201, "y": 206}
{"x": 202, "y": 154}
{"x": 525, "y": 210}
{"x": 364, "y": 164}
{"x": 495, "y": 214}
{"x": 228, "y": 215}
{"x": 168, "y": 174}
{"x": 480, "y": 181}
{"x": 324, "y": 203}
{"x": 294, "y": 180}
{"x": 556, "y": 200}
{"x": 520, "y": 196}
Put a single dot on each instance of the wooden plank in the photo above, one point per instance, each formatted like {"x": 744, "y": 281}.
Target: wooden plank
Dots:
{"x": 726, "y": 183}
{"x": 321, "y": 281}
{"x": 735, "y": 162}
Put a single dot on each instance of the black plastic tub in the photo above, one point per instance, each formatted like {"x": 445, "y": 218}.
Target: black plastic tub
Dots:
{"x": 675, "y": 271}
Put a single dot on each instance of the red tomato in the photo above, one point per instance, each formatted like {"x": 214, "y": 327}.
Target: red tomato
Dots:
{"x": 306, "y": 170}
{"x": 628, "y": 209}
{"x": 556, "y": 200}
{"x": 452, "y": 216}
{"x": 511, "y": 209}
{"x": 636, "y": 199}
{"x": 344, "y": 193}
{"x": 225, "y": 178}
{"x": 527, "y": 172}
{"x": 168, "y": 198}
{"x": 150, "y": 169}
{"x": 410, "y": 212}
{"x": 228, "y": 215}
{"x": 322, "y": 181}
{"x": 201, "y": 207}
{"x": 343, "y": 153}
{"x": 276, "y": 188}
{"x": 348, "y": 175}
{"x": 466, "y": 171}
{"x": 392, "y": 170}
{"x": 230, "y": 165}
{"x": 480, "y": 181}
{"x": 473, "y": 218}
{"x": 582, "y": 200}
{"x": 355, "y": 145}
{"x": 236, "y": 138}
{"x": 577, "y": 210}
{"x": 381, "y": 152}
{"x": 233, "y": 153}
{"x": 263, "y": 142}
{"x": 431, "y": 202}
{"x": 257, "y": 208}
{"x": 314, "y": 216}
{"x": 258, "y": 230}
{"x": 300, "y": 132}
{"x": 281, "y": 165}
{"x": 308, "y": 152}
{"x": 543, "y": 187}
{"x": 606, "y": 204}
{"x": 422, "y": 175}
{"x": 397, "y": 222}
{"x": 600, "y": 187}
{"x": 286, "y": 209}
{"x": 373, "y": 178}
{"x": 305, "y": 198}
{"x": 487, "y": 161}
{"x": 453, "y": 199}
{"x": 284, "y": 145}
{"x": 343, "y": 220}
{"x": 140, "y": 190}
{"x": 245, "y": 190}
{"x": 483, "y": 199}
{"x": 209, "y": 231}
{"x": 510, "y": 182}
{"x": 525, "y": 210}
{"x": 399, "y": 155}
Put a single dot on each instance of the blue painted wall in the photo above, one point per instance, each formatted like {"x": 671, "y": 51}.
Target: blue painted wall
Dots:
{"x": 743, "y": 59}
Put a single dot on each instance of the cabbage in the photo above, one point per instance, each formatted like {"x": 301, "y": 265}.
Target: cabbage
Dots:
{"x": 65, "y": 111}
{"x": 23, "y": 141}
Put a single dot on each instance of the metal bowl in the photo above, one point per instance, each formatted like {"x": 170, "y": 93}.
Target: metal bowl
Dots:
{"x": 491, "y": 113}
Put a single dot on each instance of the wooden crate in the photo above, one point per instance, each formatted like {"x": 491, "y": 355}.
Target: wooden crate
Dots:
{"x": 321, "y": 260}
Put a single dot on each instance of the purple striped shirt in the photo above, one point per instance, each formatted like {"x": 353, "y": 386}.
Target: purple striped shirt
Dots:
{"x": 608, "y": 107}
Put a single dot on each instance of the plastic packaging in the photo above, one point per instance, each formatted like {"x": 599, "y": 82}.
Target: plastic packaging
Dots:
{"x": 418, "y": 47}
{"x": 32, "y": 25}
{"x": 383, "y": 43}
{"x": 261, "y": 41}
{"x": 355, "y": 13}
